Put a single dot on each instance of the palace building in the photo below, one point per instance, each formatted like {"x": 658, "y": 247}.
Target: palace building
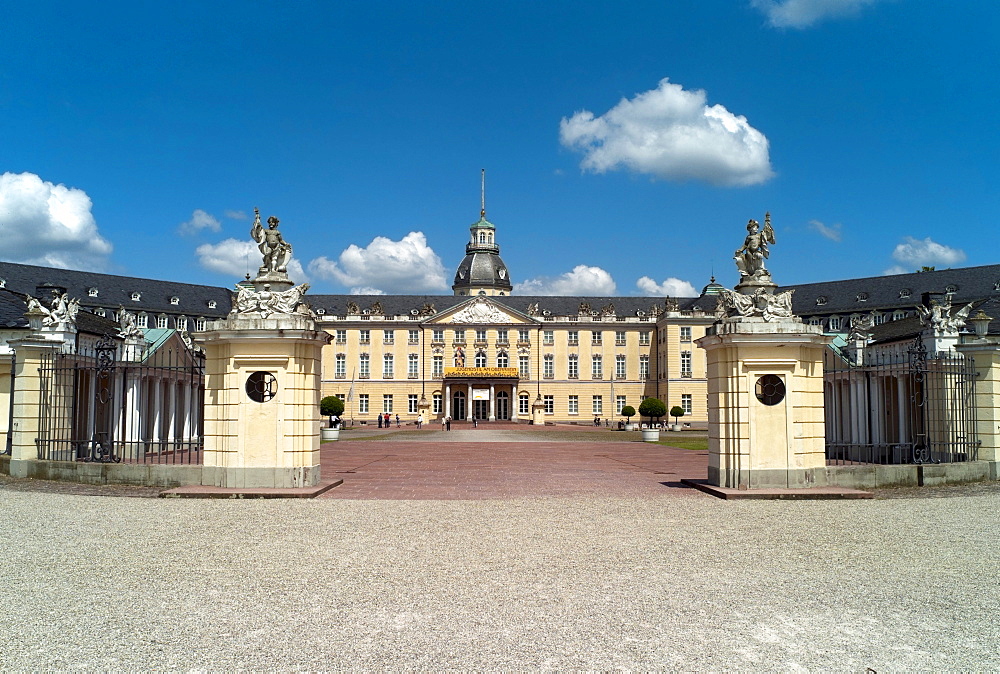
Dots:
{"x": 488, "y": 354}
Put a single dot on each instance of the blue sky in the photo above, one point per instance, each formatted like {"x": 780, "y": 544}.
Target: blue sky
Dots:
{"x": 626, "y": 144}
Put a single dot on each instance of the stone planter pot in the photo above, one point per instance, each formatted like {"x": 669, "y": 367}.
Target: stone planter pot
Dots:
{"x": 650, "y": 434}
{"x": 631, "y": 427}
{"x": 675, "y": 427}
{"x": 329, "y": 434}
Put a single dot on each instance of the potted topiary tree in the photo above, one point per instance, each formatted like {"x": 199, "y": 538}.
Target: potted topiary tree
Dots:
{"x": 331, "y": 406}
{"x": 628, "y": 412}
{"x": 651, "y": 407}
{"x": 676, "y": 412}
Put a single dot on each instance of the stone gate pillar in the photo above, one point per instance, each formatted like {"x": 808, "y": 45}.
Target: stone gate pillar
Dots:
{"x": 29, "y": 354}
{"x": 765, "y": 382}
{"x": 986, "y": 355}
{"x": 262, "y": 380}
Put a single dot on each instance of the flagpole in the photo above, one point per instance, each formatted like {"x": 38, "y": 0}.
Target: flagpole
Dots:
{"x": 350, "y": 396}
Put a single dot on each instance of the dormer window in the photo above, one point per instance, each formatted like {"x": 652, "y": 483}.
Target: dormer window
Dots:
{"x": 951, "y": 288}
{"x": 161, "y": 321}
{"x": 175, "y": 300}
{"x": 3, "y": 283}
{"x": 904, "y": 293}
{"x": 142, "y": 320}
{"x": 92, "y": 292}
{"x": 211, "y": 304}
{"x": 862, "y": 297}
{"x": 136, "y": 297}
{"x": 821, "y": 300}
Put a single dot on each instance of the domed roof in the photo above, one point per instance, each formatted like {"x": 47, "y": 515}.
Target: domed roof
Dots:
{"x": 482, "y": 269}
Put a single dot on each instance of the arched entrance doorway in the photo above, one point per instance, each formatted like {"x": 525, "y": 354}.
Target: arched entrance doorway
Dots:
{"x": 458, "y": 406}
{"x": 503, "y": 406}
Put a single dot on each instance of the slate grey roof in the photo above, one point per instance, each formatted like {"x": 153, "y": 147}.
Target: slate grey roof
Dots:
{"x": 114, "y": 291}
{"x": 13, "y": 305}
{"x": 890, "y": 292}
{"x": 399, "y": 305}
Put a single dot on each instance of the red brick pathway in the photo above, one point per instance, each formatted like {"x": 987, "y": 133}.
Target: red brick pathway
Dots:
{"x": 483, "y": 464}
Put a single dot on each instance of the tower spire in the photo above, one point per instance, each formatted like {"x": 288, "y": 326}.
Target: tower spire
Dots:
{"x": 482, "y": 195}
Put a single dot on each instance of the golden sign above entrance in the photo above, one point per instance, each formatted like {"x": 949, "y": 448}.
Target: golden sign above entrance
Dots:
{"x": 482, "y": 372}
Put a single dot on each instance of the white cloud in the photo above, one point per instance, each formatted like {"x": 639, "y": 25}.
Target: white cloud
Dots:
{"x": 915, "y": 253}
{"x": 583, "y": 280}
{"x": 405, "y": 266}
{"x": 366, "y": 291}
{"x": 49, "y": 225}
{"x": 673, "y": 134}
{"x": 831, "y": 232}
{"x": 804, "y": 13}
{"x": 199, "y": 220}
{"x": 235, "y": 258}
{"x": 671, "y": 287}
{"x": 236, "y": 215}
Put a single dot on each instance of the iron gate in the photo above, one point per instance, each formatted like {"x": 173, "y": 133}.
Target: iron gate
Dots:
{"x": 114, "y": 403}
{"x": 898, "y": 404}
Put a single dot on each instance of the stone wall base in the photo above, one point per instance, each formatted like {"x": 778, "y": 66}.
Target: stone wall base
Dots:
{"x": 859, "y": 476}
{"x": 159, "y": 475}
{"x": 246, "y": 478}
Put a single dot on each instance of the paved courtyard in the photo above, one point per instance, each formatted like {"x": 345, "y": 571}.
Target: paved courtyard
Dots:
{"x": 505, "y": 462}
{"x": 648, "y": 577}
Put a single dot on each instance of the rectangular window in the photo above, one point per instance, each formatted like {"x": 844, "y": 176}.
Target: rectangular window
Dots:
{"x": 574, "y": 337}
{"x": 685, "y": 363}
{"x": 619, "y": 338}
{"x": 685, "y": 333}
{"x": 480, "y": 335}
{"x": 460, "y": 336}
{"x": 142, "y": 320}
{"x": 363, "y": 371}
{"x": 340, "y": 366}
{"x": 438, "y": 335}
{"x": 199, "y": 324}
{"x": 436, "y": 403}
{"x": 619, "y": 367}
{"x": 501, "y": 336}
{"x": 686, "y": 403}
{"x": 387, "y": 402}
{"x": 438, "y": 366}
{"x": 365, "y": 336}
{"x": 574, "y": 404}
{"x": 619, "y": 404}
{"x": 573, "y": 369}
{"x": 411, "y": 403}
{"x": 387, "y": 366}
{"x": 548, "y": 370}
{"x": 550, "y": 404}
{"x": 414, "y": 337}
{"x": 182, "y": 322}
{"x": 598, "y": 405}
{"x": 363, "y": 403}
{"x": 522, "y": 404}
{"x": 548, "y": 337}
{"x": 523, "y": 336}
{"x": 643, "y": 367}
{"x": 161, "y": 322}
{"x": 596, "y": 337}
{"x": 523, "y": 366}
{"x": 644, "y": 338}
{"x": 596, "y": 368}
{"x": 341, "y": 336}
{"x": 412, "y": 365}
{"x": 388, "y": 337}
{"x": 834, "y": 324}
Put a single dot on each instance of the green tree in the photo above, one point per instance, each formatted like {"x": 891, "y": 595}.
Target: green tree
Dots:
{"x": 652, "y": 408}
{"x": 628, "y": 412}
{"x": 331, "y": 406}
{"x": 676, "y": 412}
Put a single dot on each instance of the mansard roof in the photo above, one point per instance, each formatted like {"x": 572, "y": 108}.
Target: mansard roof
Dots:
{"x": 114, "y": 291}
{"x": 888, "y": 292}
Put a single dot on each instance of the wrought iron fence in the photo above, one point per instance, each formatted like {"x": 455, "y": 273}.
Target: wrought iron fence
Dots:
{"x": 117, "y": 403}
{"x": 899, "y": 404}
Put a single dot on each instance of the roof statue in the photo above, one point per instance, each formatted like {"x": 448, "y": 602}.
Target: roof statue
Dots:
{"x": 265, "y": 302}
{"x": 61, "y": 313}
{"x": 128, "y": 326}
{"x": 940, "y": 319}
{"x": 276, "y": 251}
{"x": 750, "y": 258}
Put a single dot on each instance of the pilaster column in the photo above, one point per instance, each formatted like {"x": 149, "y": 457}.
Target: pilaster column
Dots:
{"x": 986, "y": 356}
{"x": 447, "y": 400}
{"x": 30, "y": 353}
{"x": 493, "y": 403}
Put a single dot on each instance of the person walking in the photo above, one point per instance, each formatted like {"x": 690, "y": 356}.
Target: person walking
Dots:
{"x": 397, "y": 421}
{"x": 420, "y": 420}
{"x": 380, "y": 421}
{"x": 447, "y": 423}
{"x": 444, "y": 420}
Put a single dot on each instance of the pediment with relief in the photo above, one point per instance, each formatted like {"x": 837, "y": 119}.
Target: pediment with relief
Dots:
{"x": 481, "y": 311}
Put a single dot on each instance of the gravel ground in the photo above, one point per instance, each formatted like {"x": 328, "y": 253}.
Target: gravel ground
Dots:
{"x": 693, "y": 583}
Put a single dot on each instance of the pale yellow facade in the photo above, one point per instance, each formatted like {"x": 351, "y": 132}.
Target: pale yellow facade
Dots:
{"x": 579, "y": 367}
